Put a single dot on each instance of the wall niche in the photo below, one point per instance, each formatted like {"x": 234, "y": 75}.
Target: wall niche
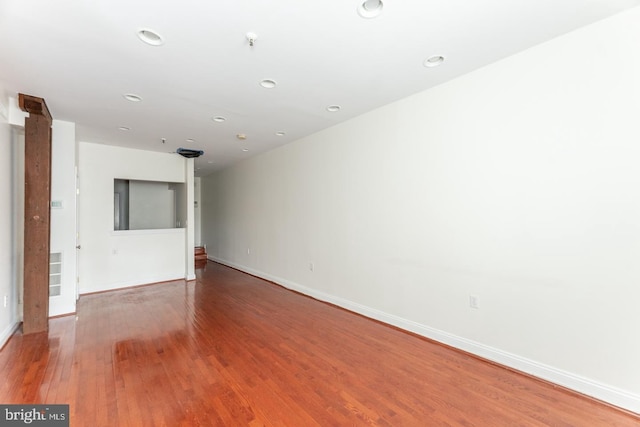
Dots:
{"x": 148, "y": 205}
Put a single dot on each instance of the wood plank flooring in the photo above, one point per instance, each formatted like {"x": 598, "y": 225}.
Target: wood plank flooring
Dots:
{"x": 234, "y": 350}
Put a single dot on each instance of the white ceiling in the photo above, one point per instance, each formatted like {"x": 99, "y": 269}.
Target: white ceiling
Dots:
{"x": 82, "y": 56}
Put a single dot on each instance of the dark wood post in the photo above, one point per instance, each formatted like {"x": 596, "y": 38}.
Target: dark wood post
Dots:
{"x": 37, "y": 222}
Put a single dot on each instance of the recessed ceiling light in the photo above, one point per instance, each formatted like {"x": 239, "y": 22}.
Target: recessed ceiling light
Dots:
{"x": 245, "y": 149}
{"x": 333, "y": 108}
{"x": 370, "y": 8}
{"x": 132, "y": 97}
{"x": 124, "y": 128}
{"x": 433, "y": 61}
{"x": 150, "y": 37}
{"x": 281, "y": 133}
{"x": 241, "y": 136}
{"x": 190, "y": 140}
{"x": 219, "y": 119}
{"x": 268, "y": 83}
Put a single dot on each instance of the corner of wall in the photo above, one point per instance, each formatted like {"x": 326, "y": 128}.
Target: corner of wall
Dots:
{"x": 9, "y": 319}
{"x": 4, "y": 112}
{"x": 16, "y": 116}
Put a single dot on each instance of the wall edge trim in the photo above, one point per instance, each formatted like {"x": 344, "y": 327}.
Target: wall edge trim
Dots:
{"x": 133, "y": 283}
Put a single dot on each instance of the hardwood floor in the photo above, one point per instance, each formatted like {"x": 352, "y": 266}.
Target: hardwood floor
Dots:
{"x": 231, "y": 349}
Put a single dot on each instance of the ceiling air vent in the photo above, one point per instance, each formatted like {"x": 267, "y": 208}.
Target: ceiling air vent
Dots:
{"x": 189, "y": 153}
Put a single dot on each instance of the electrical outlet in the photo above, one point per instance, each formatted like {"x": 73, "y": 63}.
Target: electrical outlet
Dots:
{"x": 6, "y": 300}
{"x": 474, "y": 301}
{"x": 248, "y": 251}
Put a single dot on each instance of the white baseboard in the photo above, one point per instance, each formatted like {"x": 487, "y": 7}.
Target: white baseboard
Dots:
{"x": 8, "y": 332}
{"x": 589, "y": 387}
{"x": 133, "y": 283}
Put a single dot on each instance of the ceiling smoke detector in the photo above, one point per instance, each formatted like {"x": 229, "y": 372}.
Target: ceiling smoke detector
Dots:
{"x": 252, "y": 37}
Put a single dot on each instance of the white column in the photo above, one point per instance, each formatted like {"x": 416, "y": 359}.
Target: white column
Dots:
{"x": 189, "y": 180}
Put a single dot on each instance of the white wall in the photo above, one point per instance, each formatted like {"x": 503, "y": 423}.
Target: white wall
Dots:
{"x": 517, "y": 183}
{"x": 152, "y": 205}
{"x": 8, "y": 253}
{"x": 63, "y": 220}
{"x": 112, "y": 259}
{"x": 180, "y": 193}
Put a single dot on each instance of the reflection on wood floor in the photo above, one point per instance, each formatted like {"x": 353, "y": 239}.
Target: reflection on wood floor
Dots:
{"x": 231, "y": 349}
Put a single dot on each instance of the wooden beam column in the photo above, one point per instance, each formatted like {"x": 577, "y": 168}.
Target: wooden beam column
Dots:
{"x": 37, "y": 223}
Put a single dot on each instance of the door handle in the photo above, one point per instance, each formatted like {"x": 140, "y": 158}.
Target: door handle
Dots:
{"x": 78, "y": 247}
